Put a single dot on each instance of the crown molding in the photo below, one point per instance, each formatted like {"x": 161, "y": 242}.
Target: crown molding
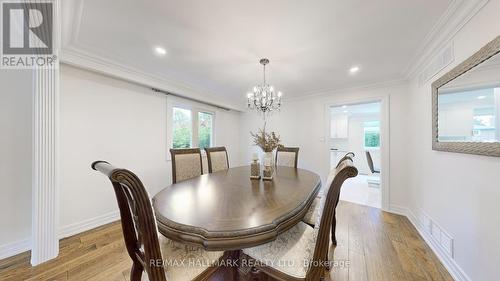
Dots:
{"x": 75, "y": 54}
{"x": 458, "y": 14}
{"x": 77, "y": 57}
{"x": 335, "y": 91}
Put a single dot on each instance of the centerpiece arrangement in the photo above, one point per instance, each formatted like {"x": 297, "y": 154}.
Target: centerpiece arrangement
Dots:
{"x": 268, "y": 142}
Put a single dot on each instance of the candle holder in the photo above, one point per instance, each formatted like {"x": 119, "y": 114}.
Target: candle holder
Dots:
{"x": 255, "y": 169}
{"x": 267, "y": 173}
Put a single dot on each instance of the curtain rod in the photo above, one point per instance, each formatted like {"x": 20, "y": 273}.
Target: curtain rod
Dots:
{"x": 188, "y": 98}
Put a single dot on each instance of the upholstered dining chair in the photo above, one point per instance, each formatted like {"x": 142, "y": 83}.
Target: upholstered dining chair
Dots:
{"x": 347, "y": 155}
{"x": 186, "y": 163}
{"x": 313, "y": 211}
{"x": 301, "y": 253}
{"x": 147, "y": 249}
{"x": 217, "y": 159}
{"x": 287, "y": 156}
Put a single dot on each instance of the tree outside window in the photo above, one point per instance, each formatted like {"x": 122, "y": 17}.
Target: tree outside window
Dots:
{"x": 205, "y": 124}
{"x": 372, "y": 134}
{"x": 184, "y": 128}
{"x": 181, "y": 124}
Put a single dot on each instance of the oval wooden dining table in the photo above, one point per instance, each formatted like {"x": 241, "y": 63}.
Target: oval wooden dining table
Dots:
{"x": 227, "y": 210}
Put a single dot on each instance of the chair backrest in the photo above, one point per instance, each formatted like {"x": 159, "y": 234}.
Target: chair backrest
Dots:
{"x": 344, "y": 170}
{"x": 287, "y": 156}
{"x": 137, "y": 218}
{"x": 370, "y": 161}
{"x": 186, "y": 163}
{"x": 217, "y": 159}
{"x": 347, "y": 155}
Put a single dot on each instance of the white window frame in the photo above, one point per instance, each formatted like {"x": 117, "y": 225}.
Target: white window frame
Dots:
{"x": 195, "y": 108}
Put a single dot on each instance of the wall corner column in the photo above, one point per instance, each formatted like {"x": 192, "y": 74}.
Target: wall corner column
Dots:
{"x": 45, "y": 159}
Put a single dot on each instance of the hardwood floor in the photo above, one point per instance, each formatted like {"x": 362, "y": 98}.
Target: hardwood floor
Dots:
{"x": 372, "y": 245}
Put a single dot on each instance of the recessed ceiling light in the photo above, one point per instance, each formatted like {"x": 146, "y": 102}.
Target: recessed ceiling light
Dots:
{"x": 344, "y": 106}
{"x": 160, "y": 51}
{"x": 481, "y": 97}
{"x": 345, "y": 111}
{"x": 354, "y": 69}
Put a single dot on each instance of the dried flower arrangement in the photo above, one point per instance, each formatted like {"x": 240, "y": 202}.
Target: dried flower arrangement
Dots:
{"x": 267, "y": 141}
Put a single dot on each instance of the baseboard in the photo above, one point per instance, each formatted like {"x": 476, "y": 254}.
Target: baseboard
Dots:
{"x": 398, "y": 210}
{"x": 453, "y": 268}
{"x": 79, "y": 227}
{"x": 14, "y": 248}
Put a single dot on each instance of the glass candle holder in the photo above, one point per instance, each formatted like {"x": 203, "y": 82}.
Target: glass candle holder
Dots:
{"x": 255, "y": 169}
{"x": 267, "y": 173}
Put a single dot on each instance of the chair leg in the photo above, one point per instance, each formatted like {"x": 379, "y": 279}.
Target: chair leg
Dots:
{"x": 136, "y": 272}
{"x": 334, "y": 226}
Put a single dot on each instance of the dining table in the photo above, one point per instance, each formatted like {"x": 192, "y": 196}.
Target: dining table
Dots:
{"x": 227, "y": 210}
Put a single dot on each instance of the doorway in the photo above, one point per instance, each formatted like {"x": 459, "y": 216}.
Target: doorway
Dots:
{"x": 357, "y": 128}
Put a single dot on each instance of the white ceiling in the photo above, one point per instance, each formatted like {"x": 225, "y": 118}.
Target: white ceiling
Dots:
{"x": 215, "y": 46}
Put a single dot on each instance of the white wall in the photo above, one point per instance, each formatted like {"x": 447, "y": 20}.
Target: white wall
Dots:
{"x": 15, "y": 160}
{"x": 125, "y": 124}
{"x": 303, "y": 123}
{"x": 460, "y": 192}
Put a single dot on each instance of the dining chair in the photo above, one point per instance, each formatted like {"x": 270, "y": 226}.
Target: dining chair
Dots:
{"x": 301, "y": 253}
{"x": 314, "y": 211}
{"x": 347, "y": 155}
{"x": 287, "y": 156}
{"x": 370, "y": 163}
{"x": 217, "y": 159}
{"x": 186, "y": 163}
{"x": 151, "y": 252}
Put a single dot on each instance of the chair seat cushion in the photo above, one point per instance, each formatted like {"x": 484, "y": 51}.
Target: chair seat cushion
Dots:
{"x": 184, "y": 262}
{"x": 289, "y": 253}
{"x": 312, "y": 213}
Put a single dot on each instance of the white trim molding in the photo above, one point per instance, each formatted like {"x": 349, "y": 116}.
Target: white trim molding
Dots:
{"x": 449, "y": 263}
{"x": 458, "y": 14}
{"x": 79, "y": 55}
{"x": 45, "y": 166}
{"x": 79, "y": 227}
{"x": 24, "y": 245}
{"x": 14, "y": 248}
{"x": 81, "y": 58}
{"x": 45, "y": 162}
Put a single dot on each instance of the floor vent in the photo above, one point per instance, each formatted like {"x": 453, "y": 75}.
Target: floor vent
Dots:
{"x": 439, "y": 236}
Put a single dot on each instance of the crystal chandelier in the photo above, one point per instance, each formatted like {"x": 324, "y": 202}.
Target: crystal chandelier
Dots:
{"x": 264, "y": 98}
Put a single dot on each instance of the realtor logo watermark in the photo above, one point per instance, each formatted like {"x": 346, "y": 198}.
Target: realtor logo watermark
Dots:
{"x": 27, "y": 34}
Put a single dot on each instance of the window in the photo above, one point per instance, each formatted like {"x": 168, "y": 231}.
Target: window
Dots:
{"x": 205, "y": 125}
{"x": 192, "y": 128}
{"x": 484, "y": 124}
{"x": 182, "y": 135}
{"x": 372, "y": 134}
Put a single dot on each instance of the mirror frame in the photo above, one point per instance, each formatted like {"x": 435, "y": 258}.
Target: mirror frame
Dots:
{"x": 478, "y": 148}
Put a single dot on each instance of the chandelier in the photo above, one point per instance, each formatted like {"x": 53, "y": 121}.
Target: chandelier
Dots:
{"x": 264, "y": 97}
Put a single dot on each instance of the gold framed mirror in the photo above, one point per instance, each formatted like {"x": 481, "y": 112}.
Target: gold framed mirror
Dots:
{"x": 466, "y": 105}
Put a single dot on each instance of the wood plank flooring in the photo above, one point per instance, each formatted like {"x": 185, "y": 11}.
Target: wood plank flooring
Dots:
{"x": 372, "y": 245}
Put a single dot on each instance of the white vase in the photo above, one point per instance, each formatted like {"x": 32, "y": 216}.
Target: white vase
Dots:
{"x": 268, "y": 167}
{"x": 270, "y": 156}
